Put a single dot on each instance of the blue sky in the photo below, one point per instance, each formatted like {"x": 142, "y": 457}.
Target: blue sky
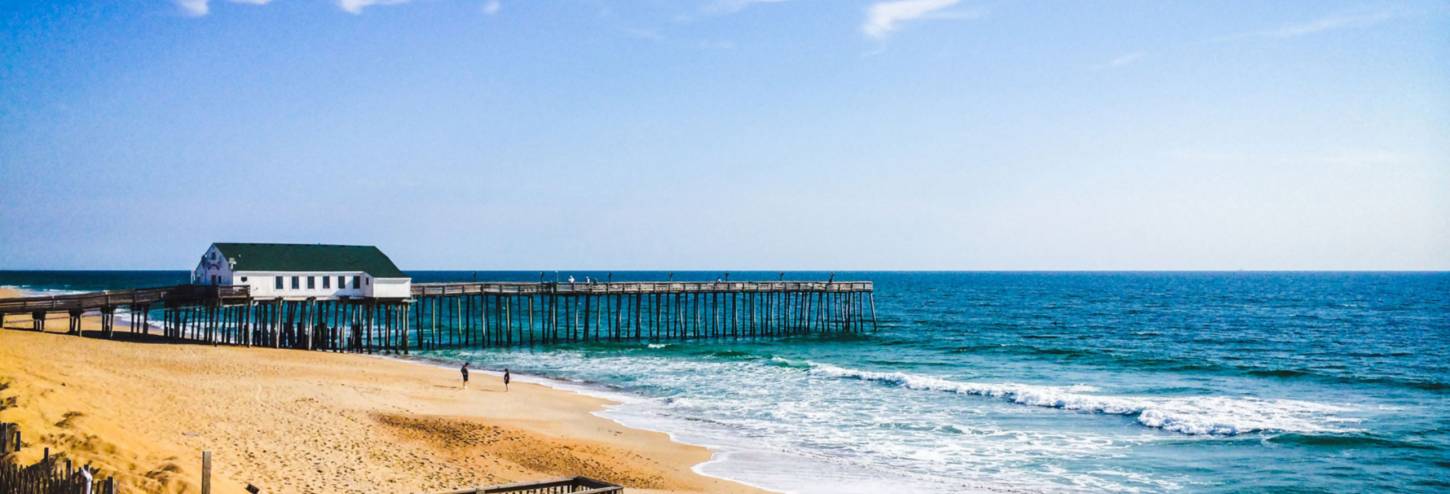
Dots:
{"x": 730, "y": 134}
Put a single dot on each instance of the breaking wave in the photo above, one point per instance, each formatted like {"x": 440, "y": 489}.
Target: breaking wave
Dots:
{"x": 1195, "y": 415}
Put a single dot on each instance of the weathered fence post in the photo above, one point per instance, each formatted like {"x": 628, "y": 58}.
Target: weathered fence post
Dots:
{"x": 206, "y": 472}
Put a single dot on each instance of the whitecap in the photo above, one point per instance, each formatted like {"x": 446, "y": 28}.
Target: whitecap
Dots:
{"x": 1194, "y": 415}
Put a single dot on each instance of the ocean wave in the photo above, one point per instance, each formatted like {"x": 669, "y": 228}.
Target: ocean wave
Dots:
{"x": 1343, "y": 441}
{"x": 29, "y": 291}
{"x": 785, "y": 362}
{"x": 1421, "y": 384}
{"x": 723, "y": 354}
{"x": 1097, "y": 355}
{"x": 1199, "y": 415}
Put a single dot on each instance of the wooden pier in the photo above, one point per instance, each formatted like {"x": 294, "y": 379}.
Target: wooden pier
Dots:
{"x": 477, "y": 315}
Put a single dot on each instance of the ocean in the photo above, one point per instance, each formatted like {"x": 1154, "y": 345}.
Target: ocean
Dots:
{"x": 1102, "y": 382}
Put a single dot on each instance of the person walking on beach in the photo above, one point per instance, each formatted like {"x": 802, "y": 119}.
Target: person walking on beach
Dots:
{"x": 506, "y": 379}
{"x": 464, "y": 370}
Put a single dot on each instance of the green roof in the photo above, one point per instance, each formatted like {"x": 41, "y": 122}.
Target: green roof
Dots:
{"x": 310, "y": 257}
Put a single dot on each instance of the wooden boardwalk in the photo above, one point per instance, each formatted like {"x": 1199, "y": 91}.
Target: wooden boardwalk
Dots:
{"x": 478, "y": 314}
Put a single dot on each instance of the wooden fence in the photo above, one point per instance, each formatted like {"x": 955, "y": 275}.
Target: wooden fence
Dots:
{"x": 9, "y": 438}
{"x": 51, "y": 475}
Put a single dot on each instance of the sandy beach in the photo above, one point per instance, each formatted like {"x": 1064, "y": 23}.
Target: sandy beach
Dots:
{"x": 294, "y": 421}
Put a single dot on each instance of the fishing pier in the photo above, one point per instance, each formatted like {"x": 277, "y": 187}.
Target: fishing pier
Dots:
{"x": 471, "y": 315}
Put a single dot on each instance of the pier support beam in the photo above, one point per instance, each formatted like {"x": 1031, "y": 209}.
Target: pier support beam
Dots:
{"x": 75, "y": 322}
{"x": 108, "y": 321}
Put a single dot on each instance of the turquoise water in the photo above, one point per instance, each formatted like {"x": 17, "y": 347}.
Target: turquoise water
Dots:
{"x": 1195, "y": 382}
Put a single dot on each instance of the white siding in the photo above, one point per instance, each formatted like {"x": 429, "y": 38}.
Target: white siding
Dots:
{"x": 392, "y": 287}
{"x": 263, "y": 284}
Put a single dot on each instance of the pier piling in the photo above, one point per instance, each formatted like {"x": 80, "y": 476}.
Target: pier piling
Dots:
{"x": 478, "y": 315}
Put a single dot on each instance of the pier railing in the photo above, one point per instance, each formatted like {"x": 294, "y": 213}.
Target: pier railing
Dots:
{"x": 476, "y": 315}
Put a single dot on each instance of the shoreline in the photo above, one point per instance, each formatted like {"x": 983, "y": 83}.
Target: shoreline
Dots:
{"x": 318, "y": 421}
{"x": 722, "y": 453}
{"x": 732, "y": 459}
{"x": 612, "y": 399}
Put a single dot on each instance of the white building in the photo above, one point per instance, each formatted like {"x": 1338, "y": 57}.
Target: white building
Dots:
{"x": 301, "y": 271}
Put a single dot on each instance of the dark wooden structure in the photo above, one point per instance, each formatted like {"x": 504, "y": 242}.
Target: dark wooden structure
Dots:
{"x": 137, "y": 301}
{"x": 572, "y": 485}
{"x": 51, "y": 475}
{"x": 477, "y": 315}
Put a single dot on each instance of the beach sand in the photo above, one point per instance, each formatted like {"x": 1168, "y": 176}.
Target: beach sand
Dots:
{"x": 297, "y": 421}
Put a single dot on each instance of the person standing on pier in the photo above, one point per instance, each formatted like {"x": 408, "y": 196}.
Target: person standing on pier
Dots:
{"x": 464, "y": 370}
{"x": 506, "y": 379}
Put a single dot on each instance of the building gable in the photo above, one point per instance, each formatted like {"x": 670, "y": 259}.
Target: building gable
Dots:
{"x": 212, "y": 269}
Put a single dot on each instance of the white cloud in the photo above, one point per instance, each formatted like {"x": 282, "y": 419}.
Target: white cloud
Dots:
{"x": 1122, "y": 60}
{"x": 491, "y": 7}
{"x": 733, "y": 6}
{"x": 194, "y": 8}
{"x": 357, "y": 6}
{"x": 198, "y": 8}
{"x": 1329, "y": 23}
{"x": 884, "y": 17}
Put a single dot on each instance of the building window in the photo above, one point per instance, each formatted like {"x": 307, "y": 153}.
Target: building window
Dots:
{"x": 295, "y": 284}
{"x": 244, "y": 279}
{"x": 356, "y": 282}
{"x": 326, "y": 282}
{"x": 311, "y": 282}
{"x": 279, "y": 283}
{"x": 368, "y": 281}
{"x": 341, "y": 282}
